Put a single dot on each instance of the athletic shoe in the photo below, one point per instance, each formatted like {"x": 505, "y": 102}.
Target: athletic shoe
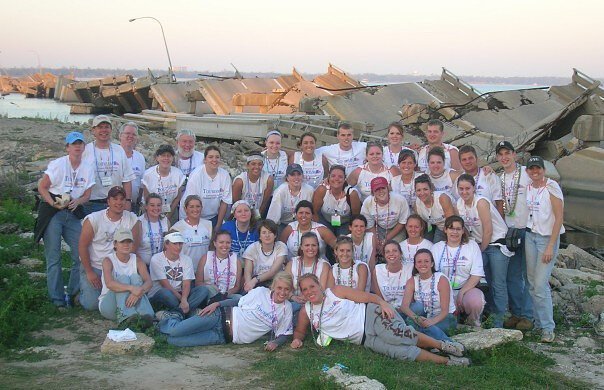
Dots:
{"x": 548, "y": 336}
{"x": 524, "y": 324}
{"x": 511, "y": 322}
{"x": 458, "y": 361}
{"x": 452, "y": 348}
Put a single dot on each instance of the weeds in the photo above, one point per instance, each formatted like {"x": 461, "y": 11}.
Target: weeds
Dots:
{"x": 592, "y": 288}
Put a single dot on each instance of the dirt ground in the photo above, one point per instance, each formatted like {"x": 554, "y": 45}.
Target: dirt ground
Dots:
{"x": 74, "y": 361}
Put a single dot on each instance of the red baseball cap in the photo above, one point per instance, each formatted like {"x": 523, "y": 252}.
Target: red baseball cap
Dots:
{"x": 378, "y": 182}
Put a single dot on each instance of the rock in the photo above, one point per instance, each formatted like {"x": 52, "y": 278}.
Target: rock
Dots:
{"x": 26, "y": 235}
{"x": 31, "y": 263}
{"x": 575, "y": 257}
{"x": 348, "y": 381}
{"x": 36, "y": 275}
{"x": 9, "y": 228}
{"x": 555, "y": 283}
{"x": 594, "y": 305}
{"x": 586, "y": 342}
{"x": 487, "y": 338}
{"x": 571, "y": 276}
{"x": 142, "y": 344}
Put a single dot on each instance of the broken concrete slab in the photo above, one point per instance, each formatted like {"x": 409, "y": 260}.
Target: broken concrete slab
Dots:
{"x": 353, "y": 382}
{"x": 142, "y": 344}
{"x": 31, "y": 263}
{"x": 487, "y": 338}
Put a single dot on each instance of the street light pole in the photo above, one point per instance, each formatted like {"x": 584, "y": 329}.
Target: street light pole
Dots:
{"x": 170, "y": 72}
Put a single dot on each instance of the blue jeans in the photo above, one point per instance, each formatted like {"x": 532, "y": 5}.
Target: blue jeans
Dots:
{"x": 194, "y": 331}
{"x": 165, "y": 298}
{"x": 89, "y": 296}
{"x": 113, "y": 305}
{"x": 437, "y": 331}
{"x": 63, "y": 224}
{"x": 538, "y": 274}
{"x": 519, "y": 297}
{"x": 91, "y": 207}
{"x": 496, "y": 271}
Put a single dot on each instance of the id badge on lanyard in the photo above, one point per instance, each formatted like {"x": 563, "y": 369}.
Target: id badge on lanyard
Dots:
{"x": 165, "y": 208}
{"x": 336, "y": 220}
{"x": 106, "y": 181}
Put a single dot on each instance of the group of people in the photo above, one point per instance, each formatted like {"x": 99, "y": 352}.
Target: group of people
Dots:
{"x": 384, "y": 246}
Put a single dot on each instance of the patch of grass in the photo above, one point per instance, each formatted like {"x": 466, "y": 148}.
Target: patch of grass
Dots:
{"x": 32, "y": 355}
{"x": 161, "y": 347}
{"x": 12, "y": 184}
{"x": 592, "y": 288}
{"x": 509, "y": 366}
{"x": 14, "y": 212}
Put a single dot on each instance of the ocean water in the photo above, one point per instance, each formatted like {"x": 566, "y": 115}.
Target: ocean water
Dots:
{"x": 16, "y": 105}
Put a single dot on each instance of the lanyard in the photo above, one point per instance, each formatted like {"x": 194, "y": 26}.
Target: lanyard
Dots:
{"x": 301, "y": 266}
{"x": 361, "y": 255}
{"x": 293, "y": 200}
{"x": 110, "y": 168}
{"x": 274, "y": 318}
{"x": 151, "y": 240}
{"x": 252, "y": 195}
{"x": 535, "y": 197}
{"x": 393, "y": 293}
{"x": 387, "y": 216}
{"x": 274, "y": 168}
{"x": 245, "y": 241}
{"x": 216, "y": 275}
{"x": 510, "y": 193}
{"x": 161, "y": 189}
{"x": 73, "y": 174}
{"x": 318, "y": 327}
{"x": 451, "y": 275}
{"x": 350, "y": 276}
{"x": 431, "y": 295}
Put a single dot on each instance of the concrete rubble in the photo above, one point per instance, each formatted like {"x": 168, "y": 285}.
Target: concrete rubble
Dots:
{"x": 487, "y": 338}
{"x": 142, "y": 344}
{"x": 353, "y": 382}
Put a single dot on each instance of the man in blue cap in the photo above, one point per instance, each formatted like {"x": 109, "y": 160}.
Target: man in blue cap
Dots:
{"x": 65, "y": 186}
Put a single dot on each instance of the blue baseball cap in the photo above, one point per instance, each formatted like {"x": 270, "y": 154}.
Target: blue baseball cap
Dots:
{"x": 73, "y": 137}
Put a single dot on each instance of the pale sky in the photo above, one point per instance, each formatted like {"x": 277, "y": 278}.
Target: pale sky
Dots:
{"x": 469, "y": 37}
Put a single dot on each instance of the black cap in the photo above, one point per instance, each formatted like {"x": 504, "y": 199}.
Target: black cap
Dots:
{"x": 535, "y": 161}
{"x": 291, "y": 168}
{"x": 504, "y": 145}
{"x": 164, "y": 149}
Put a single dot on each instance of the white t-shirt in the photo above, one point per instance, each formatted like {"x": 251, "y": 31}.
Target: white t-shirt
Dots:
{"x": 407, "y": 190}
{"x": 487, "y": 186}
{"x": 316, "y": 268}
{"x": 458, "y": 264}
{"x": 541, "y": 214}
{"x": 340, "y": 319}
{"x": 362, "y": 253}
{"x": 253, "y": 192}
{"x": 173, "y": 271}
{"x": 444, "y": 184}
{"x": 276, "y": 167}
{"x": 187, "y": 166}
{"x": 342, "y": 276}
{"x": 197, "y": 239}
{"x": 426, "y": 292}
{"x": 386, "y": 217}
{"x": 283, "y": 205}
{"x": 211, "y": 191}
{"x": 331, "y": 206}
{"x": 167, "y": 187}
{"x": 152, "y": 237}
{"x": 422, "y": 161}
{"x": 111, "y": 167}
{"x": 409, "y": 252}
{"x": 313, "y": 170}
{"x": 391, "y": 159}
{"x": 64, "y": 179}
{"x": 222, "y": 273}
{"x": 435, "y": 215}
{"x": 519, "y": 215}
{"x": 137, "y": 161}
{"x": 262, "y": 262}
{"x": 119, "y": 269}
{"x": 257, "y": 314}
{"x": 104, "y": 229}
{"x": 293, "y": 240}
{"x": 365, "y": 177}
{"x": 391, "y": 285}
{"x": 473, "y": 223}
{"x": 350, "y": 159}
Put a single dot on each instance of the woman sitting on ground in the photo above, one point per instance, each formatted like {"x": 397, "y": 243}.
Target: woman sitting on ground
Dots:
{"x": 346, "y": 272}
{"x": 220, "y": 270}
{"x": 125, "y": 284}
{"x": 292, "y": 234}
{"x": 255, "y": 185}
{"x": 433, "y": 207}
{"x": 364, "y": 242}
{"x": 415, "y": 241}
{"x": 264, "y": 258}
{"x": 389, "y": 280}
{"x": 460, "y": 260}
{"x": 240, "y": 320}
{"x": 345, "y": 314}
{"x": 428, "y": 299}
{"x": 153, "y": 227}
{"x": 197, "y": 232}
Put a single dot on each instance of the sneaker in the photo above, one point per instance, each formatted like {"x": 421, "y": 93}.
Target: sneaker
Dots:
{"x": 458, "y": 361}
{"x": 548, "y": 336}
{"x": 452, "y": 348}
{"x": 512, "y": 322}
{"x": 524, "y": 324}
